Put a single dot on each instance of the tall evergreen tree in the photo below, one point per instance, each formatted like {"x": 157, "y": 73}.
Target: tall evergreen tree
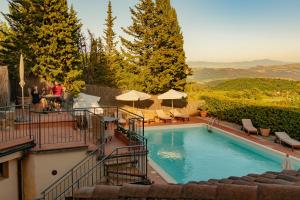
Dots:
{"x": 168, "y": 68}
{"x": 57, "y": 47}
{"x": 23, "y": 18}
{"x": 155, "y": 50}
{"x": 109, "y": 34}
{"x": 138, "y": 50}
{"x": 98, "y": 71}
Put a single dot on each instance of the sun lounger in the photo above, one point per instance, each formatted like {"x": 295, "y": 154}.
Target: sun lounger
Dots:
{"x": 177, "y": 114}
{"x": 162, "y": 116}
{"x": 248, "y": 126}
{"x": 285, "y": 138}
{"x": 146, "y": 120}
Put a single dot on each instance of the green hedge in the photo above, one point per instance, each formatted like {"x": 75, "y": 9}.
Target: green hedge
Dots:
{"x": 277, "y": 118}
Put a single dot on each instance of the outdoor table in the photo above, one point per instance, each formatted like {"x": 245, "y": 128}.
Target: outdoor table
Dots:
{"x": 51, "y": 99}
{"x": 108, "y": 120}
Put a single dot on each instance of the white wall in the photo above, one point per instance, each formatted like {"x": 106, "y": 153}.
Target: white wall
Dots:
{"x": 38, "y": 167}
{"x": 9, "y": 186}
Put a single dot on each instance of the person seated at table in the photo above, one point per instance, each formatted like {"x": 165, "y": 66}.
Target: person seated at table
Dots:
{"x": 43, "y": 100}
{"x": 35, "y": 97}
{"x": 57, "y": 91}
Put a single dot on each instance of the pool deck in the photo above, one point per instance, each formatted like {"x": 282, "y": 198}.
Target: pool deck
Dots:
{"x": 228, "y": 127}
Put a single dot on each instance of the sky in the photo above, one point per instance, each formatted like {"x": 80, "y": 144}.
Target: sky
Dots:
{"x": 215, "y": 30}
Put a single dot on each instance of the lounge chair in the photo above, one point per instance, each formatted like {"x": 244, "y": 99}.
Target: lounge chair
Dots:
{"x": 177, "y": 114}
{"x": 162, "y": 116}
{"x": 147, "y": 120}
{"x": 285, "y": 138}
{"x": 248, "y": 126}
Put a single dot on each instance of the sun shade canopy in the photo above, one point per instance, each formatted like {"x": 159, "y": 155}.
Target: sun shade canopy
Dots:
{"x": 172, "y": 94}
{"x": 133, "y": 95}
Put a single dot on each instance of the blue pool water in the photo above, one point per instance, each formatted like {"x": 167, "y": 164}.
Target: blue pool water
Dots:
{"x": 194, "y": 154}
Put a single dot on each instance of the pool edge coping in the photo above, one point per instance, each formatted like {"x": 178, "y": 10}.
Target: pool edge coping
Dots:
{"x": 169, "y": 179}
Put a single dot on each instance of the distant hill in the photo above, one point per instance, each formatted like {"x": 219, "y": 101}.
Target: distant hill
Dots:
{"x": 244, "y": 64}
{"x": 290, "y": 71}
{"x": 262, "y": 84}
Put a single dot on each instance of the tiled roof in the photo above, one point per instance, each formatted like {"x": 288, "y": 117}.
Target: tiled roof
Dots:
{"x": 268, "y": 186}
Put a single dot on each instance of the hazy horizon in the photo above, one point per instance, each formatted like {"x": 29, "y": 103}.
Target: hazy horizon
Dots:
{"x": 216, "y": 30}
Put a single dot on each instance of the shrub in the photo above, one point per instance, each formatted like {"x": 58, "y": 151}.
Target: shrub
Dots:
{"x": 274, "y": 117}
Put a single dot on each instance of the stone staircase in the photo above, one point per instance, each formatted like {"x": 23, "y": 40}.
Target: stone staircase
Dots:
{"x": 124, "y": 165}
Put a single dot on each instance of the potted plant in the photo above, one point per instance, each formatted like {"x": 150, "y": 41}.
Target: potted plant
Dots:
{"x": 265, "y": 132}
{"x": 122, "y": 134}
{"x": 203, "y": 110}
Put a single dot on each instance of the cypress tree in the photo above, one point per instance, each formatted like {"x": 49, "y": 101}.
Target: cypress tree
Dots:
{"x": 168, "y": 68}
{"x": 155, "y": 50}
{"x": 57, "y": 48}
{"x": 109, "y": 34}
{"x": 111, "y": 53}
{"x": 138, "y": 50}
{"x": 98, "y": 71}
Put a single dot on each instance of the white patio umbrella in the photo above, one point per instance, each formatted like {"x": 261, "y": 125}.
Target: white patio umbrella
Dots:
{"x": 172, "y": 94}
{"x": 88, "y": 101}
{"x": 133, "y": 96}
{"x": 21, "y": 73}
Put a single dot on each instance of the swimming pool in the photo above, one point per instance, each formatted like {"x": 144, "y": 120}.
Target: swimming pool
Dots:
{"x": 190, "y": 153}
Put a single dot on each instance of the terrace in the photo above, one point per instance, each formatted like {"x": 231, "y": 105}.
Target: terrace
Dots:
{"x": 83, "y": 128}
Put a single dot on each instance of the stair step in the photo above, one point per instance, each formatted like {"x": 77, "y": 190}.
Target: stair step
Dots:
{"x": 129, "y": 171}
{"x": 129, "y": 154}
{"x": 123, "y": 180}
{"x": 118, "y": 163}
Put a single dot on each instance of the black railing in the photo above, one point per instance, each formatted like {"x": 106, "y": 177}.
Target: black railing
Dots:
{"x": 49, "y": 129}
{"x": 101, "y": 173}
{"x": 63, "y": 187}
{"x": 10, "y": 118}
{"x": 124, "y": 165}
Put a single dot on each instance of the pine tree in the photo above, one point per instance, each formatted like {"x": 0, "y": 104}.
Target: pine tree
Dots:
{"x": 57, "y": 48}
{"x": 23, "y": 18}
{"x": 138, "y": 50}
{"x": 168, "y": 68}
{"x": 98, "y": 71}
{"x": 155, "y": 50}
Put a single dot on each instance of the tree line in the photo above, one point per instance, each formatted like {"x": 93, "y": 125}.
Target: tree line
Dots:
{"x": 149, "y": 57}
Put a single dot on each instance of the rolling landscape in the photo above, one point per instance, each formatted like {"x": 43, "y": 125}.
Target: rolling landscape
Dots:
{"x": 204, "y": 72}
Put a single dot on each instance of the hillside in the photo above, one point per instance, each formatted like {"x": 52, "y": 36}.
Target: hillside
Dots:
{"x": 261, "y": 84}
{"x": 289, "y": 71}
{"x": 244, "y": 64}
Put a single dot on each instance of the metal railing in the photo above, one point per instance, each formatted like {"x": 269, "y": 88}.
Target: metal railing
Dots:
{"x": 67, "y": 126}
{"x": 64, "y": 185}
{"x": 80, "y": 127}
{"x": 10, "y": 118}
{"x": 99, "y": 173}
{"x": 74, "y": 127}
{"x": 123, "y": 165}
{"x": 211, "y": 123}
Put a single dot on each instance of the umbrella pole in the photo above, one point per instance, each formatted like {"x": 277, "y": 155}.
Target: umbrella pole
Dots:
{"x": 133, "y": 104}
{"x": 172, "y": 104}
{"x": 22, "y": 98}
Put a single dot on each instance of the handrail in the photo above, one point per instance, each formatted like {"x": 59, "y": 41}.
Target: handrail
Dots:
{"x": 211, "y": 122}
{"x": 139, "y": 117}
{"x": 115, "y": 151}
{"x": 101, "y": 146}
